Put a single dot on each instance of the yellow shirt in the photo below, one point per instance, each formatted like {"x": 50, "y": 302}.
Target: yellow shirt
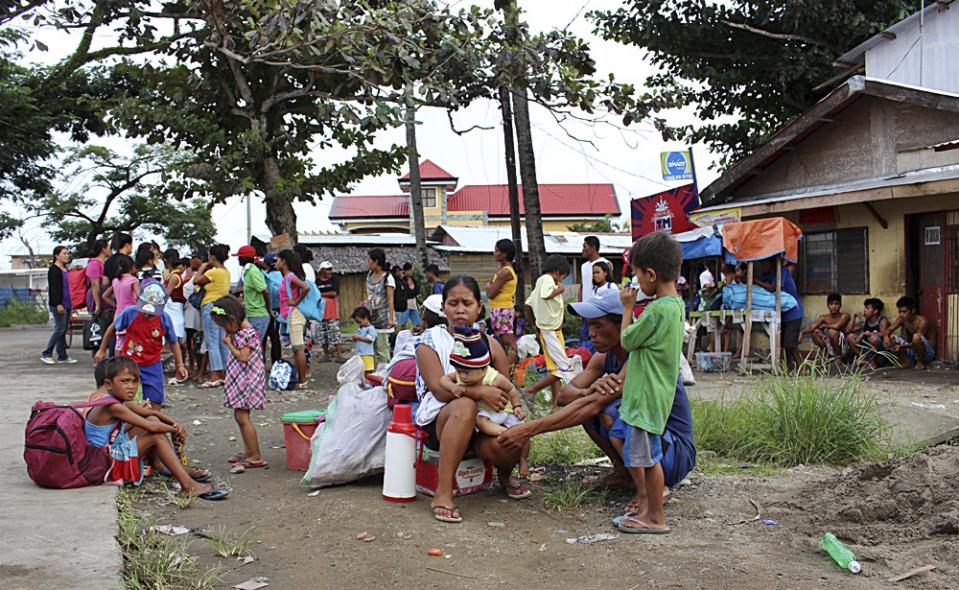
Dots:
{"x": 218, "y": 286}
{"x": 488, "y": 378}
{"x": 548, "y": 312}
{"x": 507, "y": 293}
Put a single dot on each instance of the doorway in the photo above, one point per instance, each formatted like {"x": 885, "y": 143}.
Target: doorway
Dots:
{"x": 926, "y": 269}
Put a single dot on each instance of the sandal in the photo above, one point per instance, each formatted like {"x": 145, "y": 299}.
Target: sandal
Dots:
{"x": 645, "y": 529}
{"x": 252, "y": 464}
{"x": 236, "y": 459}
{"x": 451, "y": 510}
{"x": 518, "y": 492}
{"x": 214, "y": 495}
{"x": 211, "y": 384}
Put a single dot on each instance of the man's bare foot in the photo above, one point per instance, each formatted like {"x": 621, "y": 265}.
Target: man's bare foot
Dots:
{"x": 617, "y": 480}
{"x": 514, "y": 488}
{"x": 919, "y": 366}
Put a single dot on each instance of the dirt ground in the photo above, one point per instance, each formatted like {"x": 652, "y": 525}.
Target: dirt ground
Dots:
{"x": 895, "y": 516}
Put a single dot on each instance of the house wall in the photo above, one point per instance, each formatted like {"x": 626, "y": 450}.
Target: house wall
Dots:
{"x": 462, "y": 219}
{"x": 872, "y": 138}
{"x": 927, "y": 63}
{"x": 887, "y": 263}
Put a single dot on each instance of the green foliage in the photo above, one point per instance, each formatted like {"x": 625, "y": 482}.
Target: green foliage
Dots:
{"x": 110, "y": 193}
{"x": 605, "y": 226}
{"x": 794, "y": 418}
{"x": 17, "y": 313}
{"x": 747, "y": 66}
{"x": 563, "y": 447}
{"x": 571, "y": 494}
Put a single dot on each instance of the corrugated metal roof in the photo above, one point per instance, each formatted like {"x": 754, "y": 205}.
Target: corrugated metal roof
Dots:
{"x": 385, "y": 239}
{"x": 554, "y": 199}
{"x": 370, "y": 206}
{"x": 482, "y": 239}
{"x": 592, "y": 200}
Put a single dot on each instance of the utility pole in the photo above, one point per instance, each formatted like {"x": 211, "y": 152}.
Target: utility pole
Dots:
{"x": 416, "y": 196}
{"x": 507, "y": 111}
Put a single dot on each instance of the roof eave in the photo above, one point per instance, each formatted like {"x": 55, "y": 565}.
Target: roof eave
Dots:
{"x": 802, "y": 126}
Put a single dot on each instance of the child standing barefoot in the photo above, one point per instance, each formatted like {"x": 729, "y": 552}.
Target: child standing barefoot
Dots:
{"x": 245, "y": 384}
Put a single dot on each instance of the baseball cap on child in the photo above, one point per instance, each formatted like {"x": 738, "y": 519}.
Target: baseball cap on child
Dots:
{"x": 605, "y": 302}
{"x": 270, "y": 258}
{"x": 434, "y": 303}
{"x": 326, "y": 265}
{"x": 152, "y": 299}
{"x": 246, "y": 251}
{"x": 470, "y": 351}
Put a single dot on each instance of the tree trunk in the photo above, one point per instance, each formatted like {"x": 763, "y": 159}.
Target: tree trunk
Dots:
{"x": 416, "y": 196}
{"x": 507, "y": 111}
{"x": 527, "y": 167}
{"x": 280, "y": 216}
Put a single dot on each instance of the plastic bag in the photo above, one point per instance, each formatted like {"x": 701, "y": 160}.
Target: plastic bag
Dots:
{"x": 351, "y": 443}
{"x": 527, "y": 346}
{"x": 282, "y": 376}
{"x": 685, "y": 371}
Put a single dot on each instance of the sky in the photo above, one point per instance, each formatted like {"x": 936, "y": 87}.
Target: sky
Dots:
{"x": 626, "y": 157}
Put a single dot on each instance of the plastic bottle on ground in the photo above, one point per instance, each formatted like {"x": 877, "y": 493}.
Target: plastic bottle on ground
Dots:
{"x": 840, "y": 553}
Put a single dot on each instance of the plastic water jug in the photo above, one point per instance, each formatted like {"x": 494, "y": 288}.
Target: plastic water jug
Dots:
{"x": 399, "y": 473}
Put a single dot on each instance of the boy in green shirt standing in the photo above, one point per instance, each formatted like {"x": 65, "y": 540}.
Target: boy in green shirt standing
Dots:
{"x": 654, "y": 343}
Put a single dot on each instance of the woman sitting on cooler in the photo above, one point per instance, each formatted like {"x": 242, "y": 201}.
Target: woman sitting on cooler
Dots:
{"x": 450, "y": 421}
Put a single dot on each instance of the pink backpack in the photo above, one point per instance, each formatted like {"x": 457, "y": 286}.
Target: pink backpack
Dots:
{"x": 56, "y": 450}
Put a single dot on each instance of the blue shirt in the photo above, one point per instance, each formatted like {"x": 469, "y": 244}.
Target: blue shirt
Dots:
{"x": 679, "y": 432}
{"x": 438, "y": 288}
{"x": 365, "y": 348}
{"x": 789, "y": 286}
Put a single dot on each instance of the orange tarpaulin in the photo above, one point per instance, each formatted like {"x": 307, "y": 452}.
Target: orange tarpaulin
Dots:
{"x": 762, "y": 238}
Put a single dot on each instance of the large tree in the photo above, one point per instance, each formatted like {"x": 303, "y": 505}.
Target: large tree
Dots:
{"x": 745, "y": 66}
{"x": 108, "y": 192}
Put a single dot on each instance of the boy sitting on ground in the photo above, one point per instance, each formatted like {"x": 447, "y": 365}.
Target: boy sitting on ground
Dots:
{"x": 865, "y": 333}
{"x": 829, "y": 331}
{"x": 655, "y": 343}
{"x": 915, "y": 347}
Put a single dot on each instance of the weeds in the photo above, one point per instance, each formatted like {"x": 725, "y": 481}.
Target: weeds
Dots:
{"x": 228, "y": 544}
{"x": 794, "y": 418}
{"x": 179, "y": 500}
{"x": 16, "y": 312}
{"x": 571, "y": 494}
{"x": 153, "y": 560}
{"x": 563, "y": 447}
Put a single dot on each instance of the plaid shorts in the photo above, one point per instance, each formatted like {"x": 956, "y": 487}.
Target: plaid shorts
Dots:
{"x": 328, "y": 333}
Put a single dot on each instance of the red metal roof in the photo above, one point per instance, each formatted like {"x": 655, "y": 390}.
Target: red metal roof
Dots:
{"x": 555, "y": 200}
{"x": 370, "y": 206}
{"x": 430, "y": 171}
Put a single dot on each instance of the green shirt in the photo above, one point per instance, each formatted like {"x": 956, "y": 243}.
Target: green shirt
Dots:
{"x": 254, "y": 283}
{"x": 654, "y": 342}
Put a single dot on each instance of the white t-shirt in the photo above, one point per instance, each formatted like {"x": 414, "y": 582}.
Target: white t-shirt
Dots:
{"x": 586, "y": 276}
{"x": 309, "y": 272}
{"x": 706, "y": 280}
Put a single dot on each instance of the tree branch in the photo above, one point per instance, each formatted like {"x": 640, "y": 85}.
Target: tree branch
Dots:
{"x": 777, "y": 36}
{"x": 449, "y": 115}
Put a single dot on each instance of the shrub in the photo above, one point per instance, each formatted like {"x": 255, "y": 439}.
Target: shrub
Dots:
{"x": 794, "y": 418}
{"x": 17, "y": 312}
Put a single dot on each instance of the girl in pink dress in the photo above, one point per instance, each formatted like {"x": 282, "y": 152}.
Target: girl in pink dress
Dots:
{"x": 245, "y": 383}
{"x": 126, "y": 287}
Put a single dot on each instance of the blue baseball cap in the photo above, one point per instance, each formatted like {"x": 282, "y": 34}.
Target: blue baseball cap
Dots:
{"x": 605, "y": 302}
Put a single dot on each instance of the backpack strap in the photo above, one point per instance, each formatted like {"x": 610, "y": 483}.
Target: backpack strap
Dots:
{"x": 107, "y": 400}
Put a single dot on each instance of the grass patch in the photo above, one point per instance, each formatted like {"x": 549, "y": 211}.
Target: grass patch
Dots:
{"x": 17, "y": 313}
{"x": 795, "y": 418}
{"x": 571, "y": 494}
{"x": 153, "y": 560}
{"x": 710, "y": 463}
{"x": 563, "y": 447}
{"x": 229, "y": 544}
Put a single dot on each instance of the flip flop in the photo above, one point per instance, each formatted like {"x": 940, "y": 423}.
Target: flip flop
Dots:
{"x": 214, "y": 495}
{"x": 525, "y": 493}
{"x": 197, "y": 478}
{"x": 451, "y": 519}
{"x": 251, "y": 464}
{"x": 236, "y": 459}
{"x": 643, "y": 530}
{"x": 211, "y": 384}
{"x": 619, "y": 519}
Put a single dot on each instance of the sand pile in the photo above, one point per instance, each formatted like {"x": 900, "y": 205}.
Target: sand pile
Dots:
{"x": 892, "y": 502}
